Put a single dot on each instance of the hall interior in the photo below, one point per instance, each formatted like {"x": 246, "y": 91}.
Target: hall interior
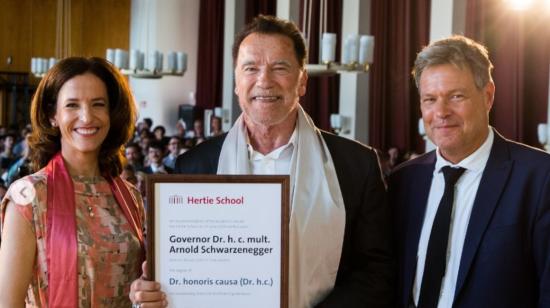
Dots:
{"x": 379, "y": 107}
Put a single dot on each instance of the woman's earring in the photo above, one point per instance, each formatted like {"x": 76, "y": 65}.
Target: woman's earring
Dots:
{"x": 54, "y": 124}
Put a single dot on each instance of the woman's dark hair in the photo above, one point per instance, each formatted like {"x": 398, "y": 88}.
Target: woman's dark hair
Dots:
{"x": 46, "y": 139}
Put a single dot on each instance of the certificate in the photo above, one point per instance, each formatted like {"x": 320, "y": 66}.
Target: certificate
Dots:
{"x": 219, "y": 240}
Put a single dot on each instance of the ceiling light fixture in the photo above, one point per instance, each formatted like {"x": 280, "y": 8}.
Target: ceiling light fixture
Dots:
{"x": 357, "y": 50}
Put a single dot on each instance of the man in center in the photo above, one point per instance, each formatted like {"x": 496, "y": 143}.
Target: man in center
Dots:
{"x": 340, "y": 250}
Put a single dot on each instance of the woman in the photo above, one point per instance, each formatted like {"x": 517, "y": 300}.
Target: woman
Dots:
{"x": 72, "y": 232}
{"x": 216, "y": 126}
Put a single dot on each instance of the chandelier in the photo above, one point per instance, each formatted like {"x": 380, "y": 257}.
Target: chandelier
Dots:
{"x": 148, "y": 63}
{"x": 133, "y": 64}
{"x": 357, "y": 50}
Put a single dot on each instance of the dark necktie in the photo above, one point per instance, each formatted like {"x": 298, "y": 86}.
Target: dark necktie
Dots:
{"x": 436, "y": 255}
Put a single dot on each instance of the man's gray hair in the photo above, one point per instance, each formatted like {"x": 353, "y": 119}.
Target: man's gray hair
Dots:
{"x": 459, "y": 51}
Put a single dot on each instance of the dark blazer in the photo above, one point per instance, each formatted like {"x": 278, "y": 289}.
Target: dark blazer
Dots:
{"x": 366, "y": 269}
{"x": 506, "y": 256}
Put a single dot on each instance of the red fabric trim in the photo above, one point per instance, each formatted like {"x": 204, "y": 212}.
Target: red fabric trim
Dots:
{"x": 61, "y": 234}
{"x": 128, "y": 204}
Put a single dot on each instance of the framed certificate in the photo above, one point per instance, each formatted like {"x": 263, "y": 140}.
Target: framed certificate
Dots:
{"x": 219, "y": 240}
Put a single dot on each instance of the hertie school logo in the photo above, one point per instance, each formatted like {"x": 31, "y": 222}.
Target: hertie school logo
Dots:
{"x": 22, "y": 192}
{"x": 176, "y": 199}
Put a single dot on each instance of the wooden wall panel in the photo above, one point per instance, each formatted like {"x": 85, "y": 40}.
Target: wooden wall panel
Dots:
{"x": 78, "y": 46}
{"x": 42, "y": 27}
{"x": 98, "y": 25}
{"x": 15, "y": 35}
{"x": 106, "y": 24}
{"x": 28, "y": 27}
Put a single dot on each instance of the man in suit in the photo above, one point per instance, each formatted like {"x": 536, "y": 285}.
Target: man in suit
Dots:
{"x": 473, "y": 216}
{"x": 339, "y": 230}
{"x": 155, "y": 155}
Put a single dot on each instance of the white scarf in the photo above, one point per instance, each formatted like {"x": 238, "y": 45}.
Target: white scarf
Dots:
{"x": 318, "y": 217}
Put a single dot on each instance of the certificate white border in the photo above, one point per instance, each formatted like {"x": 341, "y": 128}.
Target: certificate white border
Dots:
{"x": 156, "y": 181}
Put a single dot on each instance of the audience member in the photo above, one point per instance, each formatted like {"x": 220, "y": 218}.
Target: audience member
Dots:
{"x": 394, "y": 157}
{"x": 22, "y": 167}
{"x": 144, "y": 142}
{"x": 174, "y": 149}
{"x": 19, "y": 147}
{"x": 155, "y": 155}
{"x": 134, "y": 156}
{"x": 215, "y": 127}
{"x": 197, "y": 134}
{"x": 7, "y": 157}
{"x": 159, "y": 135}
{"x": 181, "y": 129}
{"x": 147, "y": 124}
{"x": 385, "y": 164}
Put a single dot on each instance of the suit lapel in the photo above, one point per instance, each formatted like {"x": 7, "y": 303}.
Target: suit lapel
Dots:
{"x": 418, "y": 194}
{"x": 492, "y": 183}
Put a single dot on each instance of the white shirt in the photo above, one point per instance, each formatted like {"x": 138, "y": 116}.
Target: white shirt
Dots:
{"x": 158, "y": 168}
{"x": 316, "y": 202}
{"x": 465, "y": 193}
{"x": 276, "y": 162}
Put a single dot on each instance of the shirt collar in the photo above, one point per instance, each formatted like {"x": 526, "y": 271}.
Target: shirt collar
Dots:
{"x": 474, "y": 162}
{"x": 275, "y": 154}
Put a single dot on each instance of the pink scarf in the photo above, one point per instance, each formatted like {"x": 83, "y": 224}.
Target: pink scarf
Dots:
{"x": 61, "y": 246}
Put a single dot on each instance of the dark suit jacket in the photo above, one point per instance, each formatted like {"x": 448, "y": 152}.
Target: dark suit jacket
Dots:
{"x": 365, "y": 272}
{"x": 506, "y": 256}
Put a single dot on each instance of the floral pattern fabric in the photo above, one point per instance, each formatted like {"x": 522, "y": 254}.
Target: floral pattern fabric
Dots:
{"x": 109, "y": 254}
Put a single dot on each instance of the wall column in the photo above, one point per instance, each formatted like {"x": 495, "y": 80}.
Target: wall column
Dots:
{"x": 234, "y": 21}
{"x": 167, "y": 25}
{"x": 448, "y": 17}
{"x": 354, "y": 88}
{"x": 289, "y": 10}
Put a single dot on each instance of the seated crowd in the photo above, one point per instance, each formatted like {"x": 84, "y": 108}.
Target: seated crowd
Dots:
{"x": 151, "y": 151}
